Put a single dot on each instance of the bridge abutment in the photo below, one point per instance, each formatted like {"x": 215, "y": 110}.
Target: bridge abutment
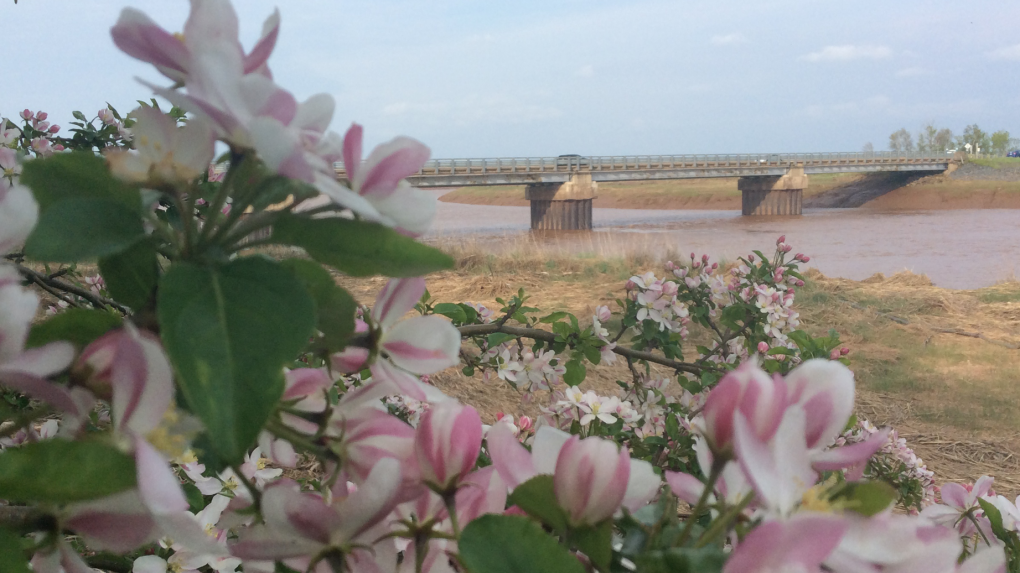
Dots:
{"x": 562, "y": 206}
{"x": 773, "y": 195}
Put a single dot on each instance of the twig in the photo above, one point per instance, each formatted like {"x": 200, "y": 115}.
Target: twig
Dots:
{"x": 546, "y": 336}
{"x": 112, "y": 563}
{"x": 45, "y": 281}
{"x": 510, "y": 311}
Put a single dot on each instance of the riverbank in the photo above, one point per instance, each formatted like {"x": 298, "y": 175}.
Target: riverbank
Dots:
{"x": 986, "y": 185}
{"x": 919, "y": 365}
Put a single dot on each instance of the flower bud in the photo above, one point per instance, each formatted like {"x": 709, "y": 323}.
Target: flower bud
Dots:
{"x": 591, "y": 479}
{"x": 834, "y": 355}
{"x": 750, "y": 258}
{"x": 751, "y": 392}
{"x": 693, "y": 256}
{"x": 697, "y": 264}
{"x": 603, "y": 313}
{"x": 41, "y": 115}
{"x": 54, "y": 128}
{"x": 715, "y": 266}
{"x": 447, "y": 442}
{"x": 525, "y": 423}
{"x": 763, "y": 347}
{"x": 630, "y": 285}
{"x": 43, "y": 126}
{"x": 58, "y": 147}
{"x": 844, "y": 351}
{"x": 781, "y": 240}
{"x": 26, "y": 114}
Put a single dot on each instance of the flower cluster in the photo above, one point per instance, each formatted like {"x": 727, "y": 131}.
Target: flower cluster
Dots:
{"x": 897, "y": 464}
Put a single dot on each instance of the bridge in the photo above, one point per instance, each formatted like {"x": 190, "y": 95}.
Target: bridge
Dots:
{"x": 561, "y": 189}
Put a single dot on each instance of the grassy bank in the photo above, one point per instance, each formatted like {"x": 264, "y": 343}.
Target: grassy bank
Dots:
{"x": 918, "y": 366}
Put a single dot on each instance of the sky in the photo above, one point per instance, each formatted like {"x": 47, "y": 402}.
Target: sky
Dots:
{"x": 531, "y": 78}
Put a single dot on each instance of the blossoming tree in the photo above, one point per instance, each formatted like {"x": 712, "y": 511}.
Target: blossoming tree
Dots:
{"x": 151, "y": 421}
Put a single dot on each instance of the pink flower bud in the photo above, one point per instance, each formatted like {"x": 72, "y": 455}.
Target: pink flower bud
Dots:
{"x": 603, "y": 313}
{"x": 58, "y": 147}
{"x": 750, "y": 258}
{"x": 787, "y": 248}
{"x": 41, "y": 115}
{"x": 697, "y": 264}
{"x": 693, "y": 256}
{"x": 630, "y": 285}
{"x": 763, "y": 347}
{"x": 54, "y": 128}
{"x": 591, "y": 479}
{"x": 499, "y": 416}
{"x": 834, "y": 355}
{"x": 805, "y": 258}
{"x": 751, "y": 392}
{"x": 715, "y": 266}
{"x": 26, "y": 114}
{"x": 447, "y": 442}
{"x": 844, "y": 351}
{"x": 43, "y": 126}
{"x": 800, "y": 283}
{"x": 526, "y": 423}
{"x": 670, "y": 266}
{"x": 781, "y": 240}
{"x": 704, "y": 259}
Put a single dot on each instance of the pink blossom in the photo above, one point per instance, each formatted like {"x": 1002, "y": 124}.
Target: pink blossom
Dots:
{"x": 18, "y": 212}
{"x": 591, "y": 479}
{"x": 763, "y": 347}
{"x": 381, "y": 180}
{"x": 447, "y": 443}
{"x": 368, "y": 435}
{"x": 42, "y": 146}
{"x": 959, "y": 508}
{"x": 799, "y": 544}
{"x": 751, "y": 392}
{"x": 516, "y": 465}
{"x": 26, "y": 115}
{"x": 163, "y": 151}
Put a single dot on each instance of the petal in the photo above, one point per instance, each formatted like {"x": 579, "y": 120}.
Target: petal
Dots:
{"x": 141, "y": 38}
{"x": 850, "y": 455}
{"x": 118, "y": 523}
{"x": 826, "y": 390}
{"x": 157, "y": 483}
{"x": 375, "y": 499}
{"x": 43, "y": 361}
{"x": 545, "y": 450}
{"x": 799, "y": 544}
{"x": 19, "y": 213}
{"x": 642, "y": 485}
{"x": 986, "y": 560}
{"x": 423, "y": 344}
{"x": 264, "y": 47}
{"x": 149, "y": 564}
{"x": 685, "y": 486}
{"x": 780, "y": 471}
{"x": 346, "y": 198}
{"x": 352, "y": 151}
{"x": 511, "y": 459}
{"x": 408, "y": 210}
{"x": 388, "y": 164}
{"x": 396, "y": 299}
{"x": 955, "y": 495}
{"x": 315, "y": 114}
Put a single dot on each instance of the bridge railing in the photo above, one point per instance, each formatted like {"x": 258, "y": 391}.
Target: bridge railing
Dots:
{"x": 437, "y": 167}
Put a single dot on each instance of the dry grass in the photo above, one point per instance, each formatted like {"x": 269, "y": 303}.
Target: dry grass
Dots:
{"x": 954, "y": 398}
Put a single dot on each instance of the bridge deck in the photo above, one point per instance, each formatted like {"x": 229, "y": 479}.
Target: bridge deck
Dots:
{"x": 517, "y": 171}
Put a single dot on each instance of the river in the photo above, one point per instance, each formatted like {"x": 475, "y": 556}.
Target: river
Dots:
{"x": 959, "y": 249}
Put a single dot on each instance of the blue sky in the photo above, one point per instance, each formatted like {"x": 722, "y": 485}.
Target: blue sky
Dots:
{"x": 594, "y": 77}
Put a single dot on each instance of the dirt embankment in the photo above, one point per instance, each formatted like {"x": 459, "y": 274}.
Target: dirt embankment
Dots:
{"x": 972, "y": 186}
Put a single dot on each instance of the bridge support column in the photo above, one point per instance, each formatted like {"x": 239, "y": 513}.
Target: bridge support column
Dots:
{"x": 562, "y": 206}
{"x": 773, "y": 195}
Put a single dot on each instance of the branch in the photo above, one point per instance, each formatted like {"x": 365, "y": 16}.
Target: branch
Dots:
{"x": 46, "y": 282}
{"x": 545, "y": 335}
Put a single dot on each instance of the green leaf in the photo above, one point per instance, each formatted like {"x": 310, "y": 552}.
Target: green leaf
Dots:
{"x": 452, "y": 311}
{"x": 76, "y": 175}
{"x": 81, "y": 229}
{"x": 335, "y": 307}
{"x": 79, "y": 326}
{"x": 708, "y": 559}
{"x": 575, "y": 372}
{"x": 229, "y": 330}
{"x": 596, "y": 543}
{"x": 12, "y": 556}
{"x": 592, "y": 353}
{"x": 537, "y": 497}
{"x": 131, "y": 275}
{"x": 79, "y": 116}
{"x": 551, "y": 318}
{"x": 867, "y": 497}
{"x": 470, "y": 314}
{"x": 359, "y": 248}
{"x": 497, "y": 338}
{"x": 995, "y": 518}
{"x": 59, "y": 471}
{"x": 513, "y": 544}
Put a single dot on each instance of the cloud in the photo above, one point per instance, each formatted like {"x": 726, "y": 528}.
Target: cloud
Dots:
{"x": 585, "y": 71}
{"x": 1006, "y": 53}
{"x": 848, "y": 52}
{"x": 911, "y": 72}
{"x": 729, "y": 39}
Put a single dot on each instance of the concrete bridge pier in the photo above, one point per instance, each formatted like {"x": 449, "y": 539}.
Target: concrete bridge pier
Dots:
{"x": 562, "y": 206}
{"x": 773, "y": 195}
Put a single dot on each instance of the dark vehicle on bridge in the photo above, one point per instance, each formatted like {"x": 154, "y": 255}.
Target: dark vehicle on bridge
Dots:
{"x": 572, "y": 160}
{"x": 1014, "y": 153}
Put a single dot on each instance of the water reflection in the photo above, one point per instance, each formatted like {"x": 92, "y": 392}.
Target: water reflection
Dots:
{"x": 957, "y": 249}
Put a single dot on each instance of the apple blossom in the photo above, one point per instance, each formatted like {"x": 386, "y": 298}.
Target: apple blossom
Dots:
{"x": 799, "y": 544}
{"x": 446, "y": 443}
{"x": 959, "y": 508}
{"x": 747, "y": 391}
{"x": 164, "y": 153}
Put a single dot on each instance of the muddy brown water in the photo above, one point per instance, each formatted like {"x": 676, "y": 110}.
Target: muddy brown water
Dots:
{"x": 959, "y": 249}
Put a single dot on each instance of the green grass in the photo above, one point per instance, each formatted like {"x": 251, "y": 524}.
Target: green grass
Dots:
{"x": 995, "y": 162}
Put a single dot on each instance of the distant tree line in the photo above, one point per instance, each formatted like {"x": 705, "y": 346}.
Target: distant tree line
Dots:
{"x": 932, "y": 139}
